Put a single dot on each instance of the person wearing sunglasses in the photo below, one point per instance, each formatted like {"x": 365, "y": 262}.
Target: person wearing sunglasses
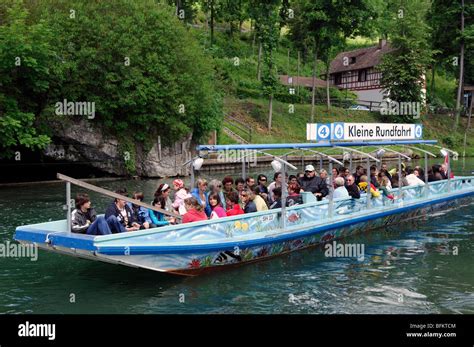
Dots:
{"x": 262, "y": 186}
{"x": 352, "y": 187}
{"x": 215, "y": 186}
{"x": 312, "y": 183}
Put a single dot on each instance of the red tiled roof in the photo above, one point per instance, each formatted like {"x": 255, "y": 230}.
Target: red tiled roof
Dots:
{"x": 364, "y": 58}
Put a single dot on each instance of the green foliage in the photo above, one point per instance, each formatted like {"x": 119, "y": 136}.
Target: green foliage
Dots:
{"x": 138, "y": 73}
{"x": 403, "y": 68}
{"x": 26, "y": 60}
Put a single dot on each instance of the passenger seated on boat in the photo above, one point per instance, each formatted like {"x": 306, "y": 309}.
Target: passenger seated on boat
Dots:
{"x": 385, "y": 186}
{"x": 239, "y": 185}
{"x": 202, "y": 195}
{"x": 277, "y": 198}
{"x": 227, "y": 184}
{"x": 179, "y": 197}
{"x": 434, "y": 174}
{"x": 344, "y": 172}
{"x": 292, "y": 179}
{"x": 352, "y": 188}
{"x": 119, "y": 215}
{"x": 373, "y": 176}
{"x": 262, "y": 186}
{"x": 140, "y": 214}
{"x": 260, "y": 203}
{"x": 340, "y": 190}
{"x": 163, "y": 192}
{"x": 216, "y": 206}
{"x": 215, "y": 186}
{"x": 84, "y": 219}
{"x": 444, "y": 171}
{"x": 384, "y": 168}
{"x": 277, "y": 179}
{"x": 314, "y": 184}
{"x": 194, "y": 211}
{"x": 233, "y": 206}
{"x": 360, "y": 171}
{"x": 363, "y": 187}
{"x": 294, "y": 197}
{"x": 247, "y": 197}
{"x": 335, "y": 172}
{"x": 412, "y": 179}
{"x": 419, "y": 172}
{"x": 159, "y": 219}
{"x": 249, "y": 182}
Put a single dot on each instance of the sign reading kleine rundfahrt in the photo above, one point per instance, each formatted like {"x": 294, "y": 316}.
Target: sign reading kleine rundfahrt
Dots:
{"x": 363, "y": 131}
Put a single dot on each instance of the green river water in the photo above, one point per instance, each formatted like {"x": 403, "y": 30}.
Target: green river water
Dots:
{"x": 408, "y": 268}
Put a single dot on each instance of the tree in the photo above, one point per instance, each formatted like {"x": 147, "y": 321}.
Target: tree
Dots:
{"x": 269, "y": 33}
{"x": 322, "y": 24}
{"x": 26, "y": 62}
{"x": 403, "y": 68}
{"x": 143, "y": 80}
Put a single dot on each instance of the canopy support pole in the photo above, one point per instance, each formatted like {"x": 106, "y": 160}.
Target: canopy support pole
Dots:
{"x": 243, "y": 168}
{"x": 350, "y": 162}
{"x": 449, "y": 172}
{"x": 399, "y": 176}
{"x": 68, "y": 206}
{"x": 331, "y": 192}
{"x": 369, "y": 194}
{"x": 426, "y": 175}
{"x": 284, "y": 194}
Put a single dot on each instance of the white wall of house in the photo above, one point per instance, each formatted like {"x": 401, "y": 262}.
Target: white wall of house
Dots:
{"x": 370, "y": 95}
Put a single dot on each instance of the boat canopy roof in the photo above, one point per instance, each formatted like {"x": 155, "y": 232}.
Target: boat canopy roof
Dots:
{"x": 327, "y": 144}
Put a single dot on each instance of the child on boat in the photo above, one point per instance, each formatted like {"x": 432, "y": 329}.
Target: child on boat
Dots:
{"x": 233, "y": 207}
{"x": 180, "y": 196}
{"x": 194, "y": 211}
{"x": 140, "y": 214}
{"x": 216, "y": 206}
{"x": 119, "y": 215}
{"x": 84, "y": 219}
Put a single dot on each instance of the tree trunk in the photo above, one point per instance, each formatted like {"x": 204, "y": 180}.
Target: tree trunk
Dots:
{"x": 259, "y": 62}
{"x": 328, "y": 95}
{"x": 461, "y": 71}
{"x": 212, "y": 22}
{"x": 432, "y": 87}
{"x": 298, "y": 76}
{"x": 470, "y": 111}
{"x": 254, "y": 35}
{"x": 270, "y": 113}
{"x": 313, "y": 96}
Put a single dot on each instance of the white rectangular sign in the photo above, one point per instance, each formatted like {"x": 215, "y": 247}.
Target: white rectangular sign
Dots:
{"x": 382, "y": 131}
{"x": 363, "y": 131}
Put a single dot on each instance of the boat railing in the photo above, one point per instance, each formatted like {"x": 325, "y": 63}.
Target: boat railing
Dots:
{"x": 269, "y": 222}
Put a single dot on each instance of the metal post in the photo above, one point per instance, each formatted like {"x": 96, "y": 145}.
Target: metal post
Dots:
{"x": 243, "y": 167}
{"x": 426, "y": 175}
{"x": 449, "y": 172}
{"x": 350, "y": 162}
{"x": 399, "y": 176}
{"x": 331, "y": 192}
{"x": 302, "y": 161}
{"x": 68, "y": 206}
{"x": 284, "y": 194}
{"x": 192, "y": 175}
{"x": 320, "y": 163}
{"x": 369, "y": 195}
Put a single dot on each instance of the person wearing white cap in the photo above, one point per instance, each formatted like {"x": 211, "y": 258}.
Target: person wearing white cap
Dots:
{"x": 312, "y": 183}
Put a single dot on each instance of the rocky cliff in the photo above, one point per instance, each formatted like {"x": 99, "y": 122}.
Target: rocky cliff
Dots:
{"x": 83, "y": 141}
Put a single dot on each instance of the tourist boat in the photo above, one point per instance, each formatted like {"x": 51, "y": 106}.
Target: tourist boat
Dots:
{"x": 201, "y": 247}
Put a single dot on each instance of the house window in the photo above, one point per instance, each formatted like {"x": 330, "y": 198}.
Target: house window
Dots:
{"x": 362, "y": 76}
{"x": 352, "y": 60}
{"x": 337, "y": 78}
